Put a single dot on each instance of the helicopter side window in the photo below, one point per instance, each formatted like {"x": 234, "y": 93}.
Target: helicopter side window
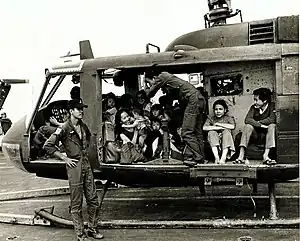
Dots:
{"x": 59, "y": 114}
{"x": 226, "y": 85}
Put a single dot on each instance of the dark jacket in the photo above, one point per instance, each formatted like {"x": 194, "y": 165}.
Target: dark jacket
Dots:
{"x": 256, "y": 119}
{"x": 5, "y": 124}
{"x": 75, "y": 147}
{"x": 42, "y": 135}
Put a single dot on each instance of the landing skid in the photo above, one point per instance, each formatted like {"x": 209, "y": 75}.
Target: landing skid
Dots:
{"x": 46, "y": 217}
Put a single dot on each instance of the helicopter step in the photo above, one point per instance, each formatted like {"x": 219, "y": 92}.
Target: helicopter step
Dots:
{"x": 227, "y": 172}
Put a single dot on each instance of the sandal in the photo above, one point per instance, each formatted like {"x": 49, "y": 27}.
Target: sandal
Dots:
{"x": 269, "y": 162}
{"x": 238, "y": 161}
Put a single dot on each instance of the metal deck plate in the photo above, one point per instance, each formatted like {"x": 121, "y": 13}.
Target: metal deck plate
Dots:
{"x": 228, "y": 171}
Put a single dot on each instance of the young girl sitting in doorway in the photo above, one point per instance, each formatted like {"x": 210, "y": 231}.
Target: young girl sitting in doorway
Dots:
{"x": 219, "y": 128}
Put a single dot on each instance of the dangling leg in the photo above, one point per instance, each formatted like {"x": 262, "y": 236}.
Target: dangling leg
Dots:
{"x": 228, "y": 148}
{"x": 247, "y": 132}
{"x": 214, "y": 142}
{"x": 270, "y": 143}
{"x": 224, "y": 155}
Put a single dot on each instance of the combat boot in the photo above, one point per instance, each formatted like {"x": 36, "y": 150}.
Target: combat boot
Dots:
{"x": 94, "y": 233}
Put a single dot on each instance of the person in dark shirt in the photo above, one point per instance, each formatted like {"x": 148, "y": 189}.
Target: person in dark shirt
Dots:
{"x": 45, "y": 131}
{"x": 110, "y": 107}
{"x": 155, "y": 133}
{"x": 5, "y": 122}
{"x": 143, "y": 102}
{"x": 75, "y": 93}
{"x": 259, "y": 119}
{"x": 195, "y": 109}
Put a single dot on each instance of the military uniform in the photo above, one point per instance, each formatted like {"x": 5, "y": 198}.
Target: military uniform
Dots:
{"x": 80, "y": 177}
{"x": 193, "y": 115}
{"x": 43, "y": 133}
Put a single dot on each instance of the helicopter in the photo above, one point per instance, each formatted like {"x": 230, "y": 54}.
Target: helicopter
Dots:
{"x": 228, "y": 60}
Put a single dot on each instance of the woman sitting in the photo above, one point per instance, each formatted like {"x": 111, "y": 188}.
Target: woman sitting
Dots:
{"x": 131, "y": 151}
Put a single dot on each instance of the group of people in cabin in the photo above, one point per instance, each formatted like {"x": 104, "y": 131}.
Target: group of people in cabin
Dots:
{"x": 138, "y": 123}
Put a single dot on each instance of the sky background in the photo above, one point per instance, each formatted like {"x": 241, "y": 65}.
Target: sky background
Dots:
{"x": 35, "y": 33}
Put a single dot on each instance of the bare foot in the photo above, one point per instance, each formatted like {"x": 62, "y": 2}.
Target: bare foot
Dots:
{"x": 266, "y": 158}
{"x": 217, "y": 161}
{"x": 222, "y": 161}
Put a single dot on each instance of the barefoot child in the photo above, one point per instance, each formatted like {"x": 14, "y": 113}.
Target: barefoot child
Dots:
{"x": 219, "y": 128}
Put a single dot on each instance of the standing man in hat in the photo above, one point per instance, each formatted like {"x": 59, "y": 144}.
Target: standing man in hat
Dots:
{"x": 75, "y": 136}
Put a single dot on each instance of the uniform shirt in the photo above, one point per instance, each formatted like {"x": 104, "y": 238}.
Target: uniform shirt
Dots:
{"x": 76, "y": 147}
{"x": 168, "y": 80}
{"x": 42, "y": 135}
{"x": 256, "y": 119}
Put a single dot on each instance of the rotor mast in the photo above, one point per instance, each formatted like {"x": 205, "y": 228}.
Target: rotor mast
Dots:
{"x": 219, "y": 12}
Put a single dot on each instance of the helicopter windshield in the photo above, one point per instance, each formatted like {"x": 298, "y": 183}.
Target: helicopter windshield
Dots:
{"x": 58, "y": 91}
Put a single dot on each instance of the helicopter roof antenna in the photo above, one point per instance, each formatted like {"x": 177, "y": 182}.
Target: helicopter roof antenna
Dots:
{"x": 219, "y": 12}
{"x": 68, "y": 56}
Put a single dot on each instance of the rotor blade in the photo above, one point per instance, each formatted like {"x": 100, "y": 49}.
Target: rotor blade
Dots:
{"x": 15, "y": 81}
{"x": 69, "y": 55}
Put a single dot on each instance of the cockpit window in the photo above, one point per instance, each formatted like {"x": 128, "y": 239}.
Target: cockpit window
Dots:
{"x": 63, "y": 90}
{"x": 226, "y": 85}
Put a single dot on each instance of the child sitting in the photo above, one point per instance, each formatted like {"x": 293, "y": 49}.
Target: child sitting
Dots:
{"x": 219, "y": 128}
{"x": 154, "y": 140}
{"x": 110, "y": 109}
{"x": 158, "y": 112}
{"x": 139, "y": 123}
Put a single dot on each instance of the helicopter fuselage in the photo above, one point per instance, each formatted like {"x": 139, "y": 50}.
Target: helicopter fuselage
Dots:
{"x": 247, "y": 56}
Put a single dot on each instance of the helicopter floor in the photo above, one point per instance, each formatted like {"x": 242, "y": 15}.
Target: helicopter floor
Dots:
{"x": 177, "y": 164}
{"x": 255, "y": 170}
{"x": 173, "y": 162}
{"x": 172, "y": 168}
